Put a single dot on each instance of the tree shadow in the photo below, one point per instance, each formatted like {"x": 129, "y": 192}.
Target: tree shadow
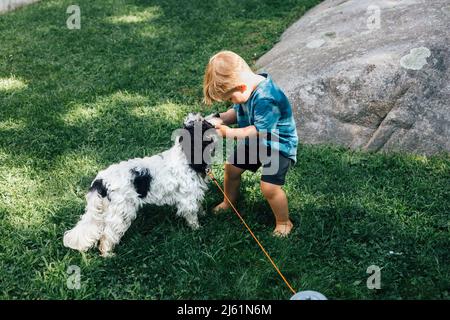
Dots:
{"x": 153, "y": 49}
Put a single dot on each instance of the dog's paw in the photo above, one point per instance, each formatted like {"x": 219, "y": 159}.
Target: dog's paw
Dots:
{"x": 194, "y": 226}
{"x": 107, "y": 255}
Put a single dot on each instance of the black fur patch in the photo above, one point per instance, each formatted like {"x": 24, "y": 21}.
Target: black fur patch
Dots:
{"x": 142, "y": 179}
{"x": 192, "y": 147}
{"x": 98, "y": 186}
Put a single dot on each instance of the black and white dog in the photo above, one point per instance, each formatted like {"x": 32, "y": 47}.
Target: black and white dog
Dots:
{"x": 173, "y": 177}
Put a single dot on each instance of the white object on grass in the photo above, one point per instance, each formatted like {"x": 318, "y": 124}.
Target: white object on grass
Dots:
{"x": 308, "y": 295}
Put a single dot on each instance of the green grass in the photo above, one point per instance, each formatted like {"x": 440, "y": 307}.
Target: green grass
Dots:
{"x": 73, "y": 102}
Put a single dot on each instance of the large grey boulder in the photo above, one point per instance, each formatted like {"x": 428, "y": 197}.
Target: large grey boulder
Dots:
{"x": 367, "y": 74}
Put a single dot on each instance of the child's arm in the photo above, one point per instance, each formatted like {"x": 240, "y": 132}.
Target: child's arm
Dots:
{"x": 236, "y": 133}
{"x": 228, "y": 117}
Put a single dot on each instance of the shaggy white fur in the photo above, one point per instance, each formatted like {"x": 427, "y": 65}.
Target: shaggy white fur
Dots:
{"x": 119, "y": 191}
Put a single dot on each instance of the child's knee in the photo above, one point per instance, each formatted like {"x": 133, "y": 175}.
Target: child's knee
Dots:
{"x": 269, "y": 190}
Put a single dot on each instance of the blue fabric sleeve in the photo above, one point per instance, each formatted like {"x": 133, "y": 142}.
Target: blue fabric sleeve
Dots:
{"x": 266, "y": 115}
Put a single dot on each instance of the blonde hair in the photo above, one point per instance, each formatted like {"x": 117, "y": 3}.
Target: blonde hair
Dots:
{"x": 222, "y": 75}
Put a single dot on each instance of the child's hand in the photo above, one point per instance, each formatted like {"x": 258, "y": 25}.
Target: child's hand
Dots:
{"x": 222, "y": 130}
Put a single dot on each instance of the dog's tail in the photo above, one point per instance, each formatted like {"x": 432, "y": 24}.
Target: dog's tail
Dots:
{"x": 89, "y": 229}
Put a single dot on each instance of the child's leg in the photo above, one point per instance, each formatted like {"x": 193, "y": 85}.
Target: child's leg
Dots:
{"x": 277, "y": 199}
{"x": 232, "y": 180}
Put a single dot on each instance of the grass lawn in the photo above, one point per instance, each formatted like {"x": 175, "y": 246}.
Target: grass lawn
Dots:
{"x": 74, "y": 101}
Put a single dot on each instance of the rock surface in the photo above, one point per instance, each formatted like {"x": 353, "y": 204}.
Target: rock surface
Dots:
{"x": 371, "y": 75}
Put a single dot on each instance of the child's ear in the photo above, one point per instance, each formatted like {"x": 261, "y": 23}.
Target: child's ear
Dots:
{"x": 242, "y": 87}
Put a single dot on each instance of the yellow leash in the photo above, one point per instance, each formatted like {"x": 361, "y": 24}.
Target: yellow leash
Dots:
{"x": 209, "y": 173}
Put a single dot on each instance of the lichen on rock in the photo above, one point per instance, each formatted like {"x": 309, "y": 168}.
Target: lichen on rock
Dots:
{"x": 416, "y": 59}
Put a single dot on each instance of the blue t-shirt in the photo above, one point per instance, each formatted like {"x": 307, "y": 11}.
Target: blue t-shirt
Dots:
{"x": 269, "y": 110}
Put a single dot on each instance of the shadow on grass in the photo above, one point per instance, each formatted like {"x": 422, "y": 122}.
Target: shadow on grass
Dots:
{"x": 114, "y": 52}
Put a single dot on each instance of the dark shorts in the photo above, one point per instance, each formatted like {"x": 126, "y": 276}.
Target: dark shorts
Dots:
{"x": 274, "y": 165}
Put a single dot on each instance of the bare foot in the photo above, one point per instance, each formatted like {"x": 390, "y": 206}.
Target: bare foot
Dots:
{"x": 283, "y": 229}
{"x": 221, "y": 207}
